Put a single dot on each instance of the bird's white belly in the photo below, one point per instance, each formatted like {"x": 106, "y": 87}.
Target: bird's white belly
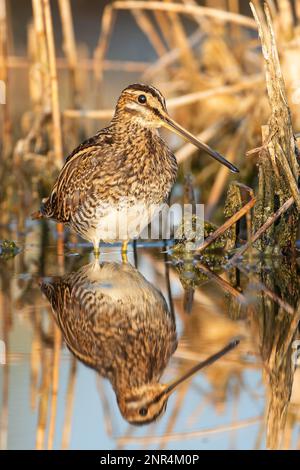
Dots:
{"x": 121, "y": 223}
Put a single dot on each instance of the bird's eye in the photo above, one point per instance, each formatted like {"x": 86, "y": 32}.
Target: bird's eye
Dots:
{"x": 143, "y": 411}
{"x": 142, "y": 99}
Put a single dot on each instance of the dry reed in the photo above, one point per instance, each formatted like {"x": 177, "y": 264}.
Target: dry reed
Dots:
{"x": 56, "y": 117}
{"x": 70, "y": 49}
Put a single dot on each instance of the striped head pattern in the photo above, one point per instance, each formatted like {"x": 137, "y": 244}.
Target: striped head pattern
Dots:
{"x": 145, "y": 106}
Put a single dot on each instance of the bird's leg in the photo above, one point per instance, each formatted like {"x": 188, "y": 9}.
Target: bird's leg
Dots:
{"x": 96, "y": 249}
{"x": 124, "y": 251}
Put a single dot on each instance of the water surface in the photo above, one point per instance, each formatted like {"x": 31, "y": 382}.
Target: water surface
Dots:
{"x": 53, "y": 393}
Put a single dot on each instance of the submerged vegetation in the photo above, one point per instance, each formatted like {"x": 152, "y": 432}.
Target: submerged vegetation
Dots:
{"x": 8, "y": 249}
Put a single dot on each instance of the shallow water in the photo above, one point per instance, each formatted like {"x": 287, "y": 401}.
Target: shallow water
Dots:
{"x": 49, "y": 399}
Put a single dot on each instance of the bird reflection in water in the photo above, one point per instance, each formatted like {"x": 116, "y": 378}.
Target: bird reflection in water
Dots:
{"x": 118, "y": 323}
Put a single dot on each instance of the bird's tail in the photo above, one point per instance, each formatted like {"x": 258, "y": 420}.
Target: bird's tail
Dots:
{"x": 37, "y": 215}
{"x": 42, "y": 213}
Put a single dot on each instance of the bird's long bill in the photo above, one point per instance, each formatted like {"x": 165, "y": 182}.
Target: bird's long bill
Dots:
{"x": 175, "y": 127}
{"x": 210, "y": 360}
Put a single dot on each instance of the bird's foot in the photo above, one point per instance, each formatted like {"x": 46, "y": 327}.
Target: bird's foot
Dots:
{"x": 124, "y": 252}
{"x": 96, "y": 252}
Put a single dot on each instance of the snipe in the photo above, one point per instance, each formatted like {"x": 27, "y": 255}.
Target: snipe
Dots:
{"x": 123, "y": 166}
{"x": 118, "y": 323}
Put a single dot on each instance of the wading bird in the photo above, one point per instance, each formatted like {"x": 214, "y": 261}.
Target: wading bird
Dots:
{"x": 124, "y": 166}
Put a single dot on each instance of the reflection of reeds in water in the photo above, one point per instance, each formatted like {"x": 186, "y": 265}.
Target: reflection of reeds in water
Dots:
{"x": 44, "y": 392}
{"x": 274, "y": 322}
{"x": 277, "y": 330}
{"x": 54, "y": 385}
{"x": 66, "y": 436}
{"x": 48, "y": 391}
{"x": 6, "y": 325}
{"x": 5, "y": 303}
{"x": 202, "y": 332}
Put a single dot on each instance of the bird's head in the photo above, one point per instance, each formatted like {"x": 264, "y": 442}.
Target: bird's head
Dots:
{"x": 146, "y": 403}
{"x": 146, "y": 106}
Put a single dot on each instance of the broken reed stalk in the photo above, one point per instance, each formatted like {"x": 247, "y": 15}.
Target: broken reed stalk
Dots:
{"x": 278, "y": 166}
{"x": 4, "y": 82}
{"x": 225, "y": 285}
{"x": 229, "y": 222}
{"x": 258, "y": 285}
{"x": 273, "y": 296}
{"x": 56, "y": 117}
{"x": 69, "y": 46}
{"x": 269, "y": 222}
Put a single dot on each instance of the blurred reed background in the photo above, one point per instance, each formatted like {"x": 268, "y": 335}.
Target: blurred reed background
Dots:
{"x": 64, "y": 65}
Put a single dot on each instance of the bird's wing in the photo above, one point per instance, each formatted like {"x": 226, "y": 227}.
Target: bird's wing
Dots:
{"x": 88, "y": 172}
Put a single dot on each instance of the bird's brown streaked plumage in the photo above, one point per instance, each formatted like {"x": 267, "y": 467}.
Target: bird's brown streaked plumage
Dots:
{"x": 127, "y": 160}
